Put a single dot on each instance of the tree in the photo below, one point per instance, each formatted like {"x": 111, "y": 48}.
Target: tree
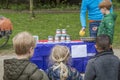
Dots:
{"x": 31, "y": 9}
{"x": 58, "y": 2}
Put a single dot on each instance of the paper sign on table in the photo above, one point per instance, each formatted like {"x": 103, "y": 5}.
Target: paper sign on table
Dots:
{"x": 79, "y": 51}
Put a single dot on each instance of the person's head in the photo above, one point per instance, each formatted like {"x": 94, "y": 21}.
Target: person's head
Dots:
{"x": 103, "y": 43}
{"x": 24, "y": 44}
{"x": 60, "y": 56}
{"x": 105, "y": 6}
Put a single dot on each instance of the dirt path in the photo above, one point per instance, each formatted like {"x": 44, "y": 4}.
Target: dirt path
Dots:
{"x": 7, "y": 56}
{"x": 2, "y": 57}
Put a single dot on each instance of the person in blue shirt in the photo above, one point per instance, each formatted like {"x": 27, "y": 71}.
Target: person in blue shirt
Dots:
{"x": 94, "y": 15}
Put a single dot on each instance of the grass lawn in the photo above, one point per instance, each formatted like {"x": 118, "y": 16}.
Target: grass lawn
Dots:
{"x": 46, "y": 24}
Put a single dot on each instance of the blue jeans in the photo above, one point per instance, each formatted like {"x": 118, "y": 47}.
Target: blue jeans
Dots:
{"x": 93, "y": 28}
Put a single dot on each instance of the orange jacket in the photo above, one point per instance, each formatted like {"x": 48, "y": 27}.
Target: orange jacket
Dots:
{"x": 5, "y": 24}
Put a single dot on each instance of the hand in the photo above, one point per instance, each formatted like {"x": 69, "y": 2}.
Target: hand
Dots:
{"x": 82, "y": 32}
{"x": 83, "y": 29}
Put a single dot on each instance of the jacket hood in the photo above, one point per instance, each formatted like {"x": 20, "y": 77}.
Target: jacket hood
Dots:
{"x": 13, "y": 68}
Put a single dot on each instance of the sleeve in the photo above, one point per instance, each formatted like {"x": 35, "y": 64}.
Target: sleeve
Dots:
{"x": 49, "y": 73}
{"x": 90, "y": 71}
{"x": 109, "y": 24}
{"x": 39, "y": 75}
{"x": 45, "y": 77}
{"x": 101, "y": 29}
{"x": 119, "y": 72}
{"x": 75, "y": 74}
{"x": 83, "y": 13}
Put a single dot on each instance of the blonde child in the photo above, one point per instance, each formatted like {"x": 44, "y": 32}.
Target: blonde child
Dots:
{"x": 60, "y": 70}
{"x": 20, "y": 68}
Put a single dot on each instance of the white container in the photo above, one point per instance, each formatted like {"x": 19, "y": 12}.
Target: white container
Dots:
{"x": 68, "y": 38}
{"x": 58, "y": 32}
{"x": 36, "y": 38}
{"x": 64, "y": 32}
{"x": 50, "y": 38}
{"x": 62, "y": 39}
{"x": 57, "y": 39}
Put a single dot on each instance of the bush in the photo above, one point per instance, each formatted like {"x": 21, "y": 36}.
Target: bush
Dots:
{"x": 38, "y": 4}
{"x": 116, "y": 5}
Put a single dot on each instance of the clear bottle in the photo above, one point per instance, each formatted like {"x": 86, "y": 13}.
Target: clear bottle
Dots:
{"x": 57, "y": 39}
{"x": 36, "y": 38}
{"x": 58, "y": 32}
{"x": 64, "y": 33}
{"x": 50, "y": 38}
{"x": 68, "y": 38}
{"x": 62, "y": 39}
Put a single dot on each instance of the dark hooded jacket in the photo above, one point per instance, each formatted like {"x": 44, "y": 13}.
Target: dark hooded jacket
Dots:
{"x": 104, "y": 66}
{"x": 107, "y": 25}
{"x": 22, "y": 69}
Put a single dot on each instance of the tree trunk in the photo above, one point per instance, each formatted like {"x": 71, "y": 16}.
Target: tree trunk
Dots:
{"x": 31, "y": 9}
{"x": 58, "y": 2}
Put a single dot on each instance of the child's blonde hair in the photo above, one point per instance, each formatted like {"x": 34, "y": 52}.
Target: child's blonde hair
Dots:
{"x": 22, "y": 43}
{"x": 105, "y": 4}
{"x": 60, "y": 56}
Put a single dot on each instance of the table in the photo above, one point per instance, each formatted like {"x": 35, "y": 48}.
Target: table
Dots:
{"x": 43, "y": 50}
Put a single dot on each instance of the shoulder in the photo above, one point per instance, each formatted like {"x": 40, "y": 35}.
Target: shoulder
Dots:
{"x": 114, "y": 57}
{"x": 49, "y": 71}
{"x": 32, "y": 68}
{"x": 111, "y": 16}
{"x": 104, "y": 57}
{"x": 74, "y": 74}
{"x": 73, "y": 71}
{"x": 53, "y": 74}
{"x": 92, "y": 60}
{"x": 34, "y": 72}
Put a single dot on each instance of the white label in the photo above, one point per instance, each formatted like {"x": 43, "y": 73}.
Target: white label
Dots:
{"x": 79, "y": 51}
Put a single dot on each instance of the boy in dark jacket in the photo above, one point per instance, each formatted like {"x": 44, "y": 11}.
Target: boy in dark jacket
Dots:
{"x": 105, "y": 65}
{"x": 108, "y": 22}
{"x": 21, "y": 68}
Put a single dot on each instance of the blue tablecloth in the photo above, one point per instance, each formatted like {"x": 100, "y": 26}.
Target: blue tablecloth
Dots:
{"x": 43, "y": 50}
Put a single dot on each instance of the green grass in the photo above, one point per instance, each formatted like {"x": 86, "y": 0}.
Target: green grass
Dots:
{"x": 44, "y": 25}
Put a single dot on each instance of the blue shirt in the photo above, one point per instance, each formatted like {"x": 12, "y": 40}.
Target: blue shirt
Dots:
{"x": 94, "y": 13}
